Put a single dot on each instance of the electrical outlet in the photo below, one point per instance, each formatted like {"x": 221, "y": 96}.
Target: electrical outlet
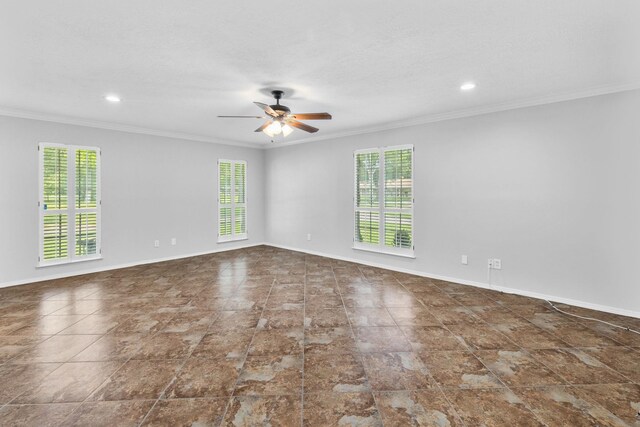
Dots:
{"x": 174, "y": 241}
{"x": 309, "y": 236}
{"x": 497, "y": 264}
{"x": 156, "y": 243}
{"x": 465, "y": 260}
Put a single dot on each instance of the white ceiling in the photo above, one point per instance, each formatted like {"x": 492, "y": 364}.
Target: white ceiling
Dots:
{"x": 372, "y": 64}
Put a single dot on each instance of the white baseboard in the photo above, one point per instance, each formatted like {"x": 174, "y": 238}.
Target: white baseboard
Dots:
{"x": 577, "y": 303}
{"x": 124, "y": 265}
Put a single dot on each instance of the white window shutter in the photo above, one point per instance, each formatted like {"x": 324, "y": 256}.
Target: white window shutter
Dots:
{"x": 383, "y": 200}
{"x": 232, "y": 200}
{"x": 69, "y": 203}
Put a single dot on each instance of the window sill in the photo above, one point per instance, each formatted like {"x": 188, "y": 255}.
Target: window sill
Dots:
{"x": 67, "y": 261}
{"x": 403, "y": 254}
{"x": 232, "y": 239}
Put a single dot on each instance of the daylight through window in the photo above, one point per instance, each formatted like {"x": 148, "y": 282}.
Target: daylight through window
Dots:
{"x": 69, "y": 203}
{"x": 232, "y": 200}
{"x": 383, "y": 199}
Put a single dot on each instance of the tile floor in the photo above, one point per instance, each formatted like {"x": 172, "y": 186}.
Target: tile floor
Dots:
{"x": 264, "y": 336}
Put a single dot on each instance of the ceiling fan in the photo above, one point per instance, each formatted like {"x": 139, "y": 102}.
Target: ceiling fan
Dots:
{"x": 280, "y": 119}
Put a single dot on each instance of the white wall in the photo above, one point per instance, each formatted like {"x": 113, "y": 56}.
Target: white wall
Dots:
{"x": 554, "y": 191}
{"x": 152, "y": 188}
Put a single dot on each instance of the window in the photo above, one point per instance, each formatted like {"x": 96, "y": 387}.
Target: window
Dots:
{"x": 232, "y": 200}
{"x": 383, "y": 200}
{"x": 69, "y": 203}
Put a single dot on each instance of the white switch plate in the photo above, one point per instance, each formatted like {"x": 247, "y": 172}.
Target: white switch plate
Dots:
{"x": 497, "y": 264}
{"x": 156, "y": 243}
{"x": 174, "y": 241}
{"x": 309, "y": 236}
{"x": 465, "y": 260}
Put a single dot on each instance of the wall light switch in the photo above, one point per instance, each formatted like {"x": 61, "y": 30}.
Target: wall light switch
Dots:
{"x": 465, "y": 260}
{"x": 497, "y": 264}
{"x": 309, "y": 236}
{"x": 174, "y": 241}
{"x": 156, "y": 243}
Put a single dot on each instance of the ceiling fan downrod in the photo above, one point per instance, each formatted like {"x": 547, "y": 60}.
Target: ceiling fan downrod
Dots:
{"x": 277, "y": 94}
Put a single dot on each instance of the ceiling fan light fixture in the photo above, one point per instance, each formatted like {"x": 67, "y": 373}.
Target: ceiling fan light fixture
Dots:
{"x": 268, "y": 133}
{"x": 275, "y": 128}
{"x": 280, "y": 120}
{"x": 286, "y": 130}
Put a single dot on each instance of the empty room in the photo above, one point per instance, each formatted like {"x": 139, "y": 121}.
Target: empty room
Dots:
{"x": 338, "y": 213}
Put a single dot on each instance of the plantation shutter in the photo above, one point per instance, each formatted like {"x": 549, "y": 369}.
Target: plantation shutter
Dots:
{"x": 383, "y": 200}
{"x": 54, "y": 204}
{"x": 367, "y": 220}
{"x": 86, "y": 216}
{"x": 224, "y": 208}
{"x": 69, "y": 203}
{"x": 232, "y": 200}
{"x": 240, "y": 210}
{"x": 398, "y": 197}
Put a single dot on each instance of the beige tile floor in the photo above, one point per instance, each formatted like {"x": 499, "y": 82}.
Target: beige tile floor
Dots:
{"x": 264, "y": 336}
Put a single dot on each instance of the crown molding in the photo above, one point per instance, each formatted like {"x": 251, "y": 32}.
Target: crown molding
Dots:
{"x": 46, "y": 117}
{"x": 469, "y": 112}
{"x": 432, "y": 118}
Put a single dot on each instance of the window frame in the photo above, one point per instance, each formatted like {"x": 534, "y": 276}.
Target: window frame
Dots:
{"x": 382, "y": 210}
{"x": 233, "y": 237}
{"x": 71, "y": 209}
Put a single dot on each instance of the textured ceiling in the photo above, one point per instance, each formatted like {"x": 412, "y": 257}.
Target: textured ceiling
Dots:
{"x": 179, "y": 64}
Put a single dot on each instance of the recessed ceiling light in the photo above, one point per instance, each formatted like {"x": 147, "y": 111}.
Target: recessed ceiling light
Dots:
{"x": 112, "y": 98}
{"x": 468, "y": 86}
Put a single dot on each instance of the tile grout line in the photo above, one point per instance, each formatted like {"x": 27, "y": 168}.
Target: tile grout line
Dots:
{"x": 569, "y": 319}
{"x": 129, "y": 316}
{"x": 178, "y": 371}
{"x": 440, "y": 388}
{"x": 366, "y": 375}
{"x": 83, "y": 349}
{"x": 246, "y": 354}
{"x": 7, "y": 362}
{"x": 569, "y": 346}
{"x": 112, "y": 374}
{"x": 528, "y": 351}
{"x": 175, "y": 376}
{"x": 304, "y": 329}
{"x": 48, "y": 336}
{"x": 469, "y": 349}
{"x": 61, "y": 365}
{"x": 473, "y": 353}
{"x": 94, "y": 390}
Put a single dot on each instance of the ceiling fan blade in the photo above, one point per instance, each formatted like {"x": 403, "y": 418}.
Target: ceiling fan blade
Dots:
{"x": 242, "y": 117}
{"x": 302, "y": 126}
{"x": 267, "y": 109}
{"x": 312, "y": 116}
{"x": 263, "y": 127}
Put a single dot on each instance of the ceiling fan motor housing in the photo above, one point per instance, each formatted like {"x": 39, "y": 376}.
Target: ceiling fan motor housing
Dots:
{"x": 280, "y": 109}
